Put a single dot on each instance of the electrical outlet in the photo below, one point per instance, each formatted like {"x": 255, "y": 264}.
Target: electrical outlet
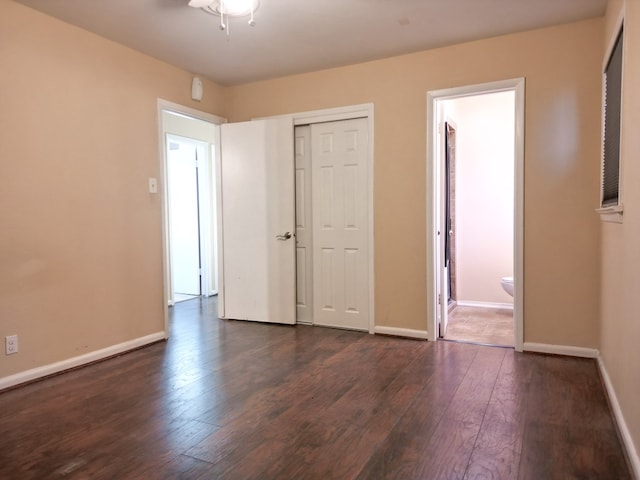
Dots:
{"x": 11, "y": 344}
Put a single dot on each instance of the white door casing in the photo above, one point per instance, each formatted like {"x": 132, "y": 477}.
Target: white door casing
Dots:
{"x": 340, "y": 223}
{"x": 443, "y": 281}
{"x": 445, "y": 236}
{"x": 256, "y": 179}
{"x": 304, "y": 230}
{"x": 438, "y": 230}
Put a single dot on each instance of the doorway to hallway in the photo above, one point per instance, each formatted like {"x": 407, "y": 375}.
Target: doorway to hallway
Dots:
{"x": 188, "y": 142}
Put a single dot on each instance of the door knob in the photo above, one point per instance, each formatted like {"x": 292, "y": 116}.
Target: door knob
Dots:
{"x": 286, "y": 236}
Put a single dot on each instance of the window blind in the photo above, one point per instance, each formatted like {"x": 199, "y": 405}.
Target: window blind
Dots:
{"x": 612, "y": 107}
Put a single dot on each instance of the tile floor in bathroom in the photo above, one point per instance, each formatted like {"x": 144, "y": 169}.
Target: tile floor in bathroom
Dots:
{"x": 489, "y": 326}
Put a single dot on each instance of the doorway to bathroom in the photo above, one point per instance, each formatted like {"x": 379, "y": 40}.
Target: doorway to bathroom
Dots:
{"x": 475, "y": 252}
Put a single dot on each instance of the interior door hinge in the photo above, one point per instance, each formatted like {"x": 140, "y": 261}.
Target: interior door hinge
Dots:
{"x": 439, "y": 299}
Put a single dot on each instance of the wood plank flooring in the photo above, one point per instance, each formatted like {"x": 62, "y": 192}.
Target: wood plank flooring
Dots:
{"x": 238, "y": 400}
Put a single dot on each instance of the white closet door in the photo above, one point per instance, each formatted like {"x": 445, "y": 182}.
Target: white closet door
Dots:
{"x": 256, "y": 171}
{"x": 340, "y": 224}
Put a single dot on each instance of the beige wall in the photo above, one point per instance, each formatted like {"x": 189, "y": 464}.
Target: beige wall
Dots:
{"x": 563, "y": 85}
{"x": 620, "y": 242}
{"x": 80, "y": 249}
{"x": 484, "y": 194}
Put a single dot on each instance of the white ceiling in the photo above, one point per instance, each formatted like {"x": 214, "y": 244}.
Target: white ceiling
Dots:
{"x": 295, "y": 36}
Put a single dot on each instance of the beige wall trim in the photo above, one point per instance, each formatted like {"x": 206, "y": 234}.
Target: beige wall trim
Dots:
{"x": 567, "y": 350}
{"x": 500, "y": 306}
{"x": 627, "y": 441}
{"x": 46, "y": 370}
{"x": 401, "y": 332}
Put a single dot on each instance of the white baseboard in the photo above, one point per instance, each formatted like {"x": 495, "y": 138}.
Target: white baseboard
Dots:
{"x": 499, "y": 306}
{"x": 561, "y": 350}
{"x": 627, "y": 441}
{"x": 400, "y": 332}
{"x": 39, "y": 372}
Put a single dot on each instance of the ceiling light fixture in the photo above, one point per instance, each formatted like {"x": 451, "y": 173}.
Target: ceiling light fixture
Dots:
{"x": 228, "y": 8}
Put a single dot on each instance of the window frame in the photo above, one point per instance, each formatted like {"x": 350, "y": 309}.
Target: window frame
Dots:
{"x": 612, "y": 212}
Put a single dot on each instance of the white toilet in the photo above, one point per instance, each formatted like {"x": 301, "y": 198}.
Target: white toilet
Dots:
{"x": 507, "y": 285}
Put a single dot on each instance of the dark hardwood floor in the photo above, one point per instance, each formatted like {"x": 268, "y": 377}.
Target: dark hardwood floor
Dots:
{"x": 238, "y": 400}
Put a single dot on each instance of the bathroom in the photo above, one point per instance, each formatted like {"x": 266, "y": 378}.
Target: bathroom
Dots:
{"x": 478, "y": 209}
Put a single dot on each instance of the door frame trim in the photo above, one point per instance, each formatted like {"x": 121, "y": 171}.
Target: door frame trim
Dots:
{"x": 162, "y": 106}
{"x": 350, "y": 112}
{"x": 517, "y": 85}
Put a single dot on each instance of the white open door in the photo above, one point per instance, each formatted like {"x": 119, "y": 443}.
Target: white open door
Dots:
{"x": 442, "y": 232}
{"x": 257, "y": 220}
{"x": 184, "y": 245}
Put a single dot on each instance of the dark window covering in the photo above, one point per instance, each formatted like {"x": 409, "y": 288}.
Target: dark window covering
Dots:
{"x": 612, "y": 104}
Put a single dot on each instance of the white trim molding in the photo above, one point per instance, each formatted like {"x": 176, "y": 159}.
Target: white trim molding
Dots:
{"x": 567, "y": 350}
{"x": 627, "y": 441}
{"x": 611, "y": 214}
{"x": 499, "y": 306}
{"x": 57, "y": 367}
{"x": 401, "y": 332}
{"x": 189, "y": 112}
{"x": 335, "y": 114}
